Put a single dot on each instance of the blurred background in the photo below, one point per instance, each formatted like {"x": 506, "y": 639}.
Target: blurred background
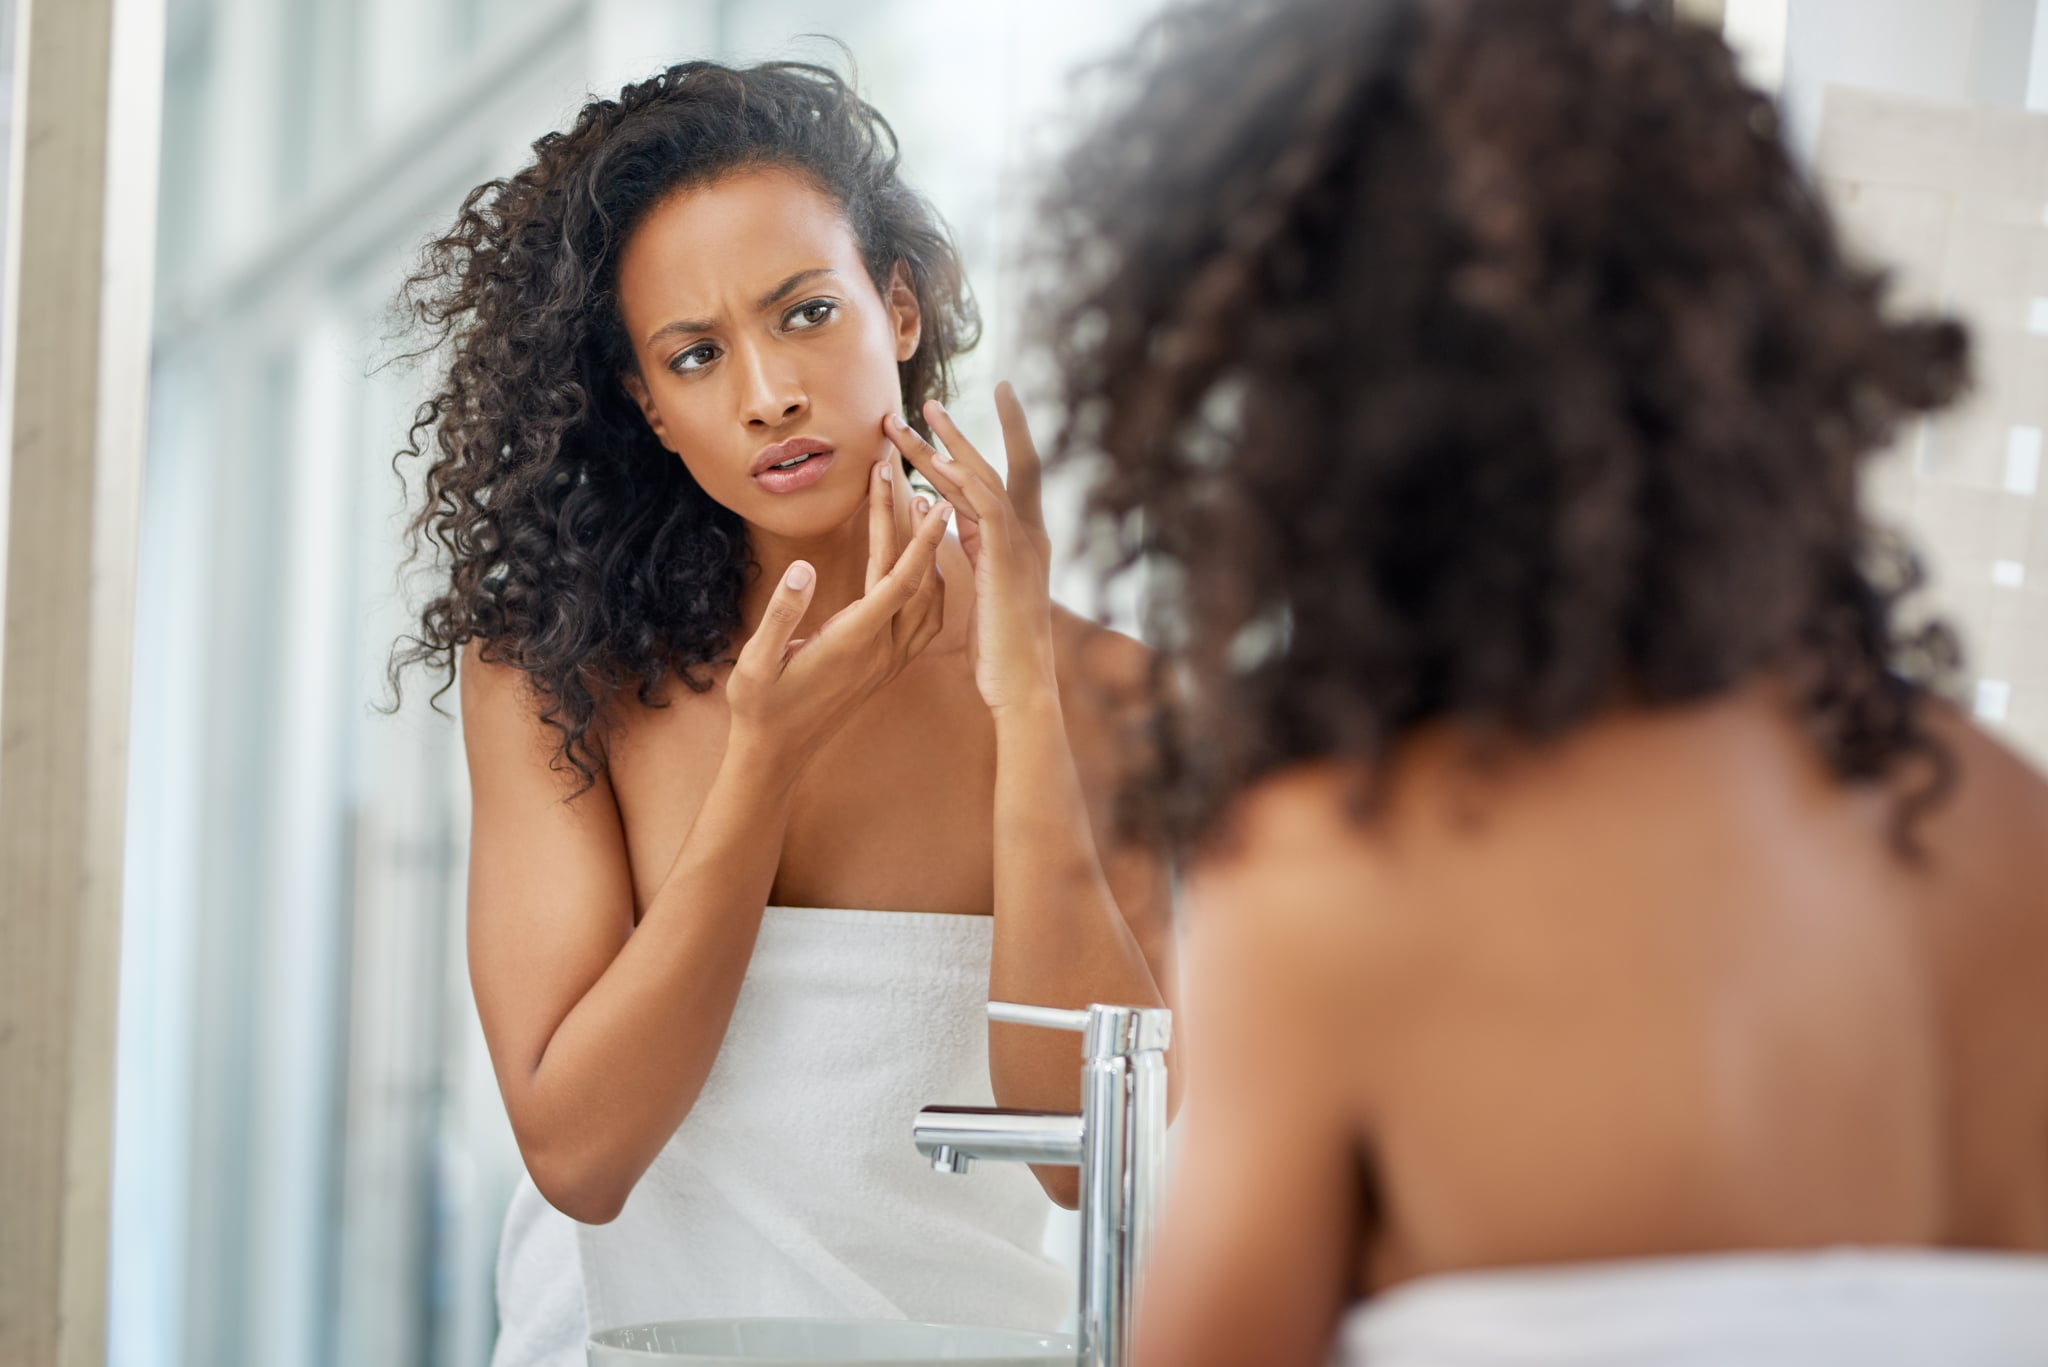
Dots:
{"x": 311, "y": 1159}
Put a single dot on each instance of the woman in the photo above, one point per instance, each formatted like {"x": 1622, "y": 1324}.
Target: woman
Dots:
{"x": 774, "y": 783}
{"x": 1584, "y": 868}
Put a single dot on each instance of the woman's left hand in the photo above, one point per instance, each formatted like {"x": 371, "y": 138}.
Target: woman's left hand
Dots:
{"x": 1002, "y": 529}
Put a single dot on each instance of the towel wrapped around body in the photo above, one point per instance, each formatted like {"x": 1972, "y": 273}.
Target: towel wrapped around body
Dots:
{"x": 792, "y": 1188}
{"x": 1846, "y": 1307}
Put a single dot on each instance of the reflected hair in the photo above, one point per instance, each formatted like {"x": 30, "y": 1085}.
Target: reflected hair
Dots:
{"x": 1484, "y": 363}
{"x": 574, "y": 546}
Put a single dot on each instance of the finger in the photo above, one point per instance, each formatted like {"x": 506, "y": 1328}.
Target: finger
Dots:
{"x": 969, "y": 527}
{"x": 934, "y": 619}
{"x": 764, "y": 650}
{"x": 963, "y": 451}
{"x": 970, "y": 541}
{"x": 977, "y": 477}
{"x": 970, "y": 495}
{"x": 881, "y": 522}
{"x": 910, "y": 618}
{"x": 901, "y": 584}
{"x": 926, "y": 459}
{"x": 1021, "y": 453}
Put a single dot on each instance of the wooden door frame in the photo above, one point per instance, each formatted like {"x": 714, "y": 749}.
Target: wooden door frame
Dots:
{"x": 81, "y": 242}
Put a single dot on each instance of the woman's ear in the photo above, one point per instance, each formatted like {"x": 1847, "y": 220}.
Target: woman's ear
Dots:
{"x": 905, "y": 317}
{"x": 636, "y": 390}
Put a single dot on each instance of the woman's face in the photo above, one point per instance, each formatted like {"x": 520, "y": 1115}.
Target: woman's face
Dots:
{"x": 761, "y": 338}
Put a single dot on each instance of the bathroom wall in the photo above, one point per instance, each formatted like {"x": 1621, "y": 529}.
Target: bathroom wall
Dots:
{"x": 1979, "y": 51}
{"x": 1927, "y": 125}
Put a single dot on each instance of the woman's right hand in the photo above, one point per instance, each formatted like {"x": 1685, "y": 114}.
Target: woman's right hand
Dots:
{"x": 787, "y": 697}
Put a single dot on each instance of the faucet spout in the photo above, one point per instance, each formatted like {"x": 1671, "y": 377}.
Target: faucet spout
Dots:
{"x": 961, "y": 1133}
{"x": 1118, "y": 1141}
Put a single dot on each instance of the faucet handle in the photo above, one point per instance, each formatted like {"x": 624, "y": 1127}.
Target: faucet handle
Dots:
{"x": 1112, "y": 1031}
{"x": 1046, "y": 1017}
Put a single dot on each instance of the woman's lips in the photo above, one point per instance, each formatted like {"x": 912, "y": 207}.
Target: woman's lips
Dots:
{"x": 801, "y": 476}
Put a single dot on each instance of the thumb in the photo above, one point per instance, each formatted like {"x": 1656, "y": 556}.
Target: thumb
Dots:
{"x": 764, "y": 650}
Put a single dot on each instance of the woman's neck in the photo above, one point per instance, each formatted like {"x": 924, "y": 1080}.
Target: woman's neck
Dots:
{"x": 840, "y": 557}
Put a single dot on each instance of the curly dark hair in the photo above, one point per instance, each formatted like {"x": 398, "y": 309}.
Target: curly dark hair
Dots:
{"x": 1485, "y": 362}
{"x": 576, "y": 548}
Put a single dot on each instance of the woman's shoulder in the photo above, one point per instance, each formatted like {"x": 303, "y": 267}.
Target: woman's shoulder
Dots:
{"x": 1293, "y": 843}
{"x": 1103, "y": 672}
{"x": 1085, "y": 648}
{"x": 514, "y": 753}
{"x": 1105, "y": 688}
{"x": 1989, "y": 767}
{"x": 1987, "y": 831}
{"x": 503, "y": 710}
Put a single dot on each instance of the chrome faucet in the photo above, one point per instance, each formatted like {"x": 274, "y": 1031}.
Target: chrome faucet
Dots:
{"x": 1118, "y": 1142}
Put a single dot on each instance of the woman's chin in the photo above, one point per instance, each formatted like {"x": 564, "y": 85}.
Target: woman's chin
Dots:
{"x": 812, "y": 514}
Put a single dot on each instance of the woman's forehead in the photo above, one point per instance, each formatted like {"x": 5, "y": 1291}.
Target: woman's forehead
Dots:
{"x": 708, "y": 250}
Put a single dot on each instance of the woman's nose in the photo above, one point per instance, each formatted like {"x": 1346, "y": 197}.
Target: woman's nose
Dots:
{"x": 771, "y": 394}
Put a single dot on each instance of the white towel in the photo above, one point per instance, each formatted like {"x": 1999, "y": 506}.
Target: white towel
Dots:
{"x": 1834, "y": 1308}
{"x": 793, "y": 1187}
{"x": 540, "y": 1285}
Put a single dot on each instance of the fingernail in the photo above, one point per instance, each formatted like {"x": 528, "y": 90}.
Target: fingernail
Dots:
{"x": 887, "y": 474}
{"x": 947, "y": 515}
{"x": 799, "y": 575}
{"x": 945, "y": 457}
{"x": 924, "y": 505}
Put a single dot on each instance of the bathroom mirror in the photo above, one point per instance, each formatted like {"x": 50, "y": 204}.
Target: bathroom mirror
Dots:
{"x": 313, "y": 1159}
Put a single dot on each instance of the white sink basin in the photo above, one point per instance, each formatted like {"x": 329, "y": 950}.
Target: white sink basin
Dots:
{"x": 824, "y": 1343}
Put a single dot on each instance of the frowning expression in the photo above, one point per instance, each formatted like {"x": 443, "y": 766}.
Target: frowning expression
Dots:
{"x": 761, "y": 340}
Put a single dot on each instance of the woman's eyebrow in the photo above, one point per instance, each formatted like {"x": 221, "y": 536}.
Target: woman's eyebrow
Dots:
{"x": 782, "y": 291}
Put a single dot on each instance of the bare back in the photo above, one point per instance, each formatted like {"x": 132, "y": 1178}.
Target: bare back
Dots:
{"x": 1664, "y": 987}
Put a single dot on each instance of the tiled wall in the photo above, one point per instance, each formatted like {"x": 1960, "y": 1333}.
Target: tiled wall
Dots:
{"x": 1955, "y": 199}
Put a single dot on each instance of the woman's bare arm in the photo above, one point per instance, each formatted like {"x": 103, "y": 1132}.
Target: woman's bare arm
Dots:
{"x": 602, "y": 1033}
{"x": 1259, "y": 1247}
{"x": 1079, "y": 919}
{"x": 1061, "y": 938}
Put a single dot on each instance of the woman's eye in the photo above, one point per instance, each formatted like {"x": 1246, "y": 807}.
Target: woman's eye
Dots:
{"x": 811, "y": 314}
{"x": 696, "y": 358}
